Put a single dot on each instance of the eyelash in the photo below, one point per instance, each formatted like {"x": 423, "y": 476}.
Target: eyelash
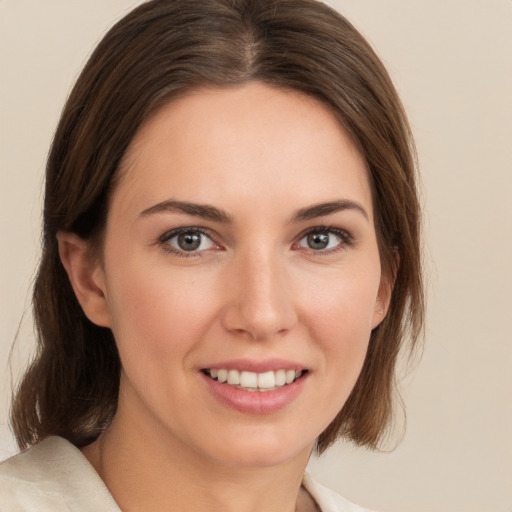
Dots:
{"x": 346, "y": 238}
{"x": 164, "y": 239}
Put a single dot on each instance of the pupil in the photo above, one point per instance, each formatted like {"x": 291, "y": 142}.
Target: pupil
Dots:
{"x": 189, "y": 241}
{"x": 318, "y": 240}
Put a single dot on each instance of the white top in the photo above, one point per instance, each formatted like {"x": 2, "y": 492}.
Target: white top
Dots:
{"x": 54, "y": 476}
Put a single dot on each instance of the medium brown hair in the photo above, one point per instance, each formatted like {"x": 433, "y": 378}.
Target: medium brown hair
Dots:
{"x": 160, "y": 50}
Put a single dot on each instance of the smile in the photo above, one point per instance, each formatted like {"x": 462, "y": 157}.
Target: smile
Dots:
{"x": 252, "y": 381}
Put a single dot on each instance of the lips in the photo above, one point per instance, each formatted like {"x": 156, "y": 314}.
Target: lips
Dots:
{"x": 255, "y": 387}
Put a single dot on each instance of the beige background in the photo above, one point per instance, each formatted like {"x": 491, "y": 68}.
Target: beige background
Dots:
{"x": 452, "y": 63}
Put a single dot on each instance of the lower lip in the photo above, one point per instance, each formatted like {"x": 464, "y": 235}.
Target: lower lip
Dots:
{"x": 255, "y": 402}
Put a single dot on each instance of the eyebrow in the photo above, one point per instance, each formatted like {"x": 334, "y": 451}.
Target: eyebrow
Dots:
{"x": 204, "y": 211}
{"x": 209, "y": 212}
{"x": 323, "y": 209}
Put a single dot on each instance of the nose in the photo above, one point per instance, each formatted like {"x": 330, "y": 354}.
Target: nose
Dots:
{"x": 260, "y": 301}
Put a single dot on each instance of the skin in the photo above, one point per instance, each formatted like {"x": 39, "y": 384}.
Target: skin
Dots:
{"x": 255, "y": 289}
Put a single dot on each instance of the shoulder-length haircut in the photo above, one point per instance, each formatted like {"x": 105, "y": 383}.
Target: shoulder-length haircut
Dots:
{"x": 160, "y": 50}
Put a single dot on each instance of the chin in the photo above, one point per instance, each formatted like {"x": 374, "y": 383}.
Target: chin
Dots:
{"x": 262, "y": 451}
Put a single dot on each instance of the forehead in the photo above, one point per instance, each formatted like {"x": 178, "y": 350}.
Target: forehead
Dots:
{"x": 252, "y": 141}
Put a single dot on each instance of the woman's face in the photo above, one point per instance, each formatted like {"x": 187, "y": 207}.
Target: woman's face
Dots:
{"x": 240, "y": 244}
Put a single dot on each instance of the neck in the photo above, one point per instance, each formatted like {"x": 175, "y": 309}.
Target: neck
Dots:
{"x": 146, "y": 468}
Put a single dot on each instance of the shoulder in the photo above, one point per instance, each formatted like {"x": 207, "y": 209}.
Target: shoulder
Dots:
{"x": 327, "y": 500}
{"x": 52, "y": 476}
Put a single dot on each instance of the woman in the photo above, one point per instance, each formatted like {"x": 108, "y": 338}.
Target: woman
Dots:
{"x": 230, "y": 264}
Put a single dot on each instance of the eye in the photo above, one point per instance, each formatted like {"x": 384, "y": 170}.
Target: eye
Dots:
{"x": 325, "y": 239}
{"x": 186, "y": 240}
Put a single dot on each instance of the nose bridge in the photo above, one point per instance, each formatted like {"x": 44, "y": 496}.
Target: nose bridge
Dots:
{"x": 261, "y": 304}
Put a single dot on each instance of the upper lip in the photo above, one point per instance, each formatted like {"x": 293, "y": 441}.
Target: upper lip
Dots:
{"x": 256, "y": 366}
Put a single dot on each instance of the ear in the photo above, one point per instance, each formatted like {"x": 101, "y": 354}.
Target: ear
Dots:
{"x": 86, "y": 276}
{"x": 383, "y": 300}
{"x": 387, "y": 282}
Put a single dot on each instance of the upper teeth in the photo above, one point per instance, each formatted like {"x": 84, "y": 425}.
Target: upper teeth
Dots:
{"x": 255, "y": 381}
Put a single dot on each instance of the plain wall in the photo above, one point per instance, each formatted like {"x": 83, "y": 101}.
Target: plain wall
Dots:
{"x": 452, "y": 64}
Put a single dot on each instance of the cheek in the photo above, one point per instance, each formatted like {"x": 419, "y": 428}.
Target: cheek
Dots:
{"x": 340, "y": 311}
{"x": 157, "y": 314}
